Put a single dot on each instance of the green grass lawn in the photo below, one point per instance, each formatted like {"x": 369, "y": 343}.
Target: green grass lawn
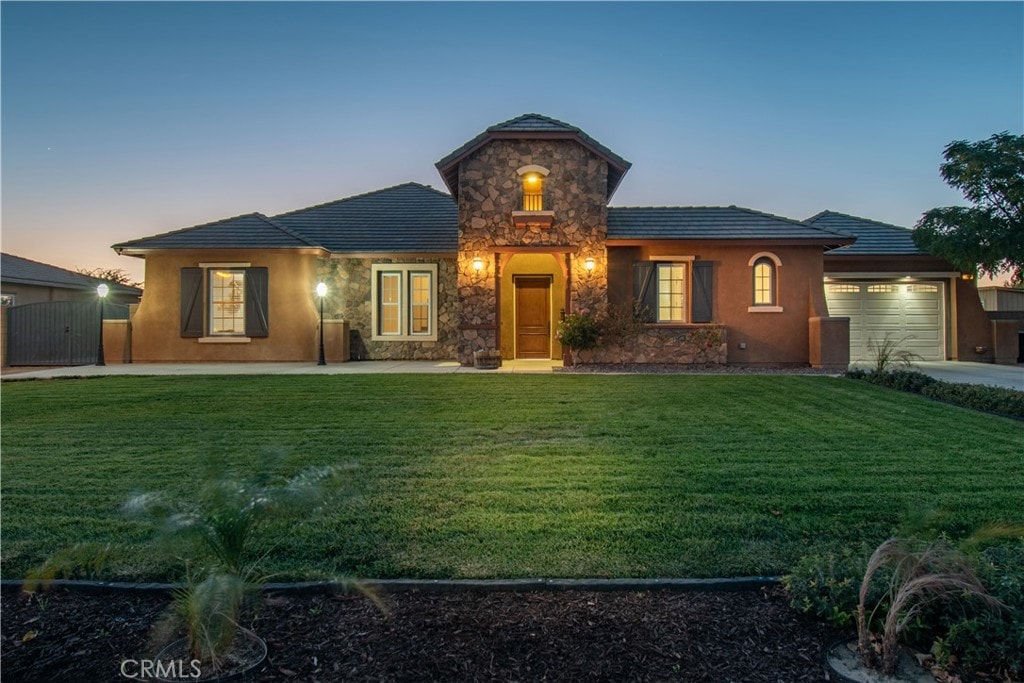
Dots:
{"x": 508, "y": 475}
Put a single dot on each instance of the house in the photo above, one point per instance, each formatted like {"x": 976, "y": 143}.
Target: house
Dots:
{"x": 1006, "y": 303}
{"x": 50, "y": 316}
{"x": 524, "y": 235}
{"x": 23, "y": 281}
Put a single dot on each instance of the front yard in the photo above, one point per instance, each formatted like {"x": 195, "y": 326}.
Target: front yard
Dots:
{"x": 507, "y": 476}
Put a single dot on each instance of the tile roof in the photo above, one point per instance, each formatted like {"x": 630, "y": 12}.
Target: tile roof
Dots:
{"x": 527, "y": 125}
{"x": 15, "y": 269}
{"x": 248, "y": 231}
{"x": 534, "y": 123}
{"x": 709, "y": 222}
{"x": 404, "y": 218}
{"x": 873, "y": 237}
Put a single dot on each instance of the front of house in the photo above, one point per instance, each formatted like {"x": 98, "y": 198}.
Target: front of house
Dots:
{"x": 525, "y": 236}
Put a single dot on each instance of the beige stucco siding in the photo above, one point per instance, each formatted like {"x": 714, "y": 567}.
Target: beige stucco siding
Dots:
{"x": 292, "y": 308}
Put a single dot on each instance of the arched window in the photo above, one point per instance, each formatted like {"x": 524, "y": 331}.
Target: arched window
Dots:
{"x": 532, "y": 177}
{"x": 764, "y": 282}
{"x": 765, "y": 269}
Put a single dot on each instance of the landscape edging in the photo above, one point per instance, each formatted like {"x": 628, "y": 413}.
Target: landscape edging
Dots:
{"x": 435, "y": 585}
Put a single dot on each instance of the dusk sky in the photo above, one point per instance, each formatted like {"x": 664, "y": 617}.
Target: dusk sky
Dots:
{"x": 123, "y": 120}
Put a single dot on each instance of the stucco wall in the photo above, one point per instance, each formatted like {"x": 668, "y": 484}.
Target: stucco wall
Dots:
{"x": 778, "y": 338}
{"x": 350, "y": 296}
{"x": 530, "y": 264}
{"x": 292, "y": 309}
{"x": 489, "y": 191}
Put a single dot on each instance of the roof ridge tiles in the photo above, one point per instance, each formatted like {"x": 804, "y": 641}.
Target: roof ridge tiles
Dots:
{"x": 364, "y": 194}
{"x": 286, "y": 230}
{"x": 858, "y": 218}
{"x": 196, "y": 227}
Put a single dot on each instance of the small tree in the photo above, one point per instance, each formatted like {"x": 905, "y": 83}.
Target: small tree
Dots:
{"x": 117, "y": 276}
{"x": 989, "y": 236}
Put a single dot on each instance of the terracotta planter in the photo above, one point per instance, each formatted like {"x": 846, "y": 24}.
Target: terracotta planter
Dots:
{"x": 246, "y": 654}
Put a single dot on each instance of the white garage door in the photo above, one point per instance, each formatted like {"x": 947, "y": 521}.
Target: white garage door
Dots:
{"x": 911, "y": 312}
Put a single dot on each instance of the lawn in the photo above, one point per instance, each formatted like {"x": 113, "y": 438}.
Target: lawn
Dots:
{"x": 507, "y": 475}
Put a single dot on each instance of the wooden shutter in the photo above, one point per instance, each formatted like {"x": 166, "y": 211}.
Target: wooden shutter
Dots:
{"x": 645, "y": 291}
{"x": 703, "y": 292}
{"x": 191, "y": 302}
{"x": 257, "y": 289}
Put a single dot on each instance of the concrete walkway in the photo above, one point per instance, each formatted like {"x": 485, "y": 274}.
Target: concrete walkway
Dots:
{"x": 1011, "y": 376}
{"x": 350, "y": 368}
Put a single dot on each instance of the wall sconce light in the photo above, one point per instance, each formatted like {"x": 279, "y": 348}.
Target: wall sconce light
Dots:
{"x": 966, "y": 276}
{"x": 588, "y": 263}
{"x": 478, "y": 264}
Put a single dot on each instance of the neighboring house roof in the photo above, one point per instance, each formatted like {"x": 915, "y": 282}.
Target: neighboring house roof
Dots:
{"x": 23, "y": 271}
{"x": 873, "y": 237}
{"x": 404, "y": 218}
{"x": 531, "y": 126}
{"x": 249, "y": 231}
{"x": 710, "y": 222}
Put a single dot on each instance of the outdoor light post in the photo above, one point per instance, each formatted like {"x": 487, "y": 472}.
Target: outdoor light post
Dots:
{"x": 102, "y": 290}
{"x": 321, "y": 291}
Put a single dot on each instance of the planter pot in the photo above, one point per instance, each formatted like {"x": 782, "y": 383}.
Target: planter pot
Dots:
{"x": 486, "y": 360}
{"x": 842, "y": 663}
{"x": 246, "y": 654}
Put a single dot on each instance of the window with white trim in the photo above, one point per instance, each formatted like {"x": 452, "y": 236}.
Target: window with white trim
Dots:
{"x": 404, "y": 301}
{"x": 227, "y": 301}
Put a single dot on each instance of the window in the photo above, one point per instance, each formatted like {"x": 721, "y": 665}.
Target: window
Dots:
{"x": 764, "y": 282}
{"x": 227, "y": 301}
{"x": 674, "y": 291}
{"x": 922, "y": 289}
{"x": 765, "y": 286}
{"x": 842, "y": 289}
{"x": 671, "y": 292}
{"x": 404, "y": 302}
{"x": 224, "y": 302}
{"x": 882, "y": 289}
{"x": 533, "y": 192}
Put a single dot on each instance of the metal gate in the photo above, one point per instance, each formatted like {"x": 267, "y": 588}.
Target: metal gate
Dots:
{"x": 57, "y": 332}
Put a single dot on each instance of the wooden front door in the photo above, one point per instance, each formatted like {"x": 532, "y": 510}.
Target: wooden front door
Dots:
{"x": 533, "y": 317}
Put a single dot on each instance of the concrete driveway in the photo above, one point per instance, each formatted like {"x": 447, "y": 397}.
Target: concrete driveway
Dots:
{"x": 1009, "y": 376}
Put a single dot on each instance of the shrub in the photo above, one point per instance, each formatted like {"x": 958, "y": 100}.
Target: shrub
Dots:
{"x": 977, "y": 396}
{"x": 886, "y": 352}
{"x": 578, "y": 331}
{"x": 985, "y": 639}
{"x": 825, "y": 584}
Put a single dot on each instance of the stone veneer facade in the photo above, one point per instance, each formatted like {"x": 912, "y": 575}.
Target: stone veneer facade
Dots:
{"x": 684, "y": 345}
{"x": 350, "y": 297}
{"x": 490, "y": 190}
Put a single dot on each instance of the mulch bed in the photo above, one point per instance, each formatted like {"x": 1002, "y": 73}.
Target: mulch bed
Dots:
{"x": 745, "y": 636}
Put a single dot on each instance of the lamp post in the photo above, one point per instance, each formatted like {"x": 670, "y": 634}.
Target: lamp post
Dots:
{"x": 102, "y": 291}
{"x": 321, "y": 291}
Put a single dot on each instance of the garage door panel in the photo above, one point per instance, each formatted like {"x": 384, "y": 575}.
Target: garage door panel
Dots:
{"x": 912, "y": 312}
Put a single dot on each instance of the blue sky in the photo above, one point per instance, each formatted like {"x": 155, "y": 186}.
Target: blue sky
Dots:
{"x": 121, "y": 120}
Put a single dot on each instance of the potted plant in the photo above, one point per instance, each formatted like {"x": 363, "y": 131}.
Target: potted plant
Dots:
{"x": 578, "y": 331}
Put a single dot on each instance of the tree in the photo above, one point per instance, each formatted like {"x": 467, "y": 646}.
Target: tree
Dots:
{"x": 115, "y": 275}
{"x": 989, "y": 236}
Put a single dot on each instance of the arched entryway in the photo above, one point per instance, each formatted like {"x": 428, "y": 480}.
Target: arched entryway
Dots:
{"x": 532, "y": 300}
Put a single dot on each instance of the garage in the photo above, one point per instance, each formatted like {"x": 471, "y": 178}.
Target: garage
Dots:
{"x": 909, "y": 311}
